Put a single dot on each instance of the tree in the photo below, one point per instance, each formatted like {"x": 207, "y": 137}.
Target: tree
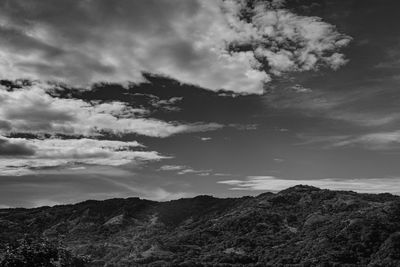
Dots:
{"x": 39, "y": 252}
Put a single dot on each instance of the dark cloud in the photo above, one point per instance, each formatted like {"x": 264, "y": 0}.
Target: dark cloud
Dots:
{"x": 17, "y": 40}
{"x": 5, "y": 125}
{"x": 8, "y": 148}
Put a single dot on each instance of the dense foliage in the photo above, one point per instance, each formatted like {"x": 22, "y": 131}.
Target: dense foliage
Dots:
{"x": 300, "y": 226}
{"x": 35, "y": 252}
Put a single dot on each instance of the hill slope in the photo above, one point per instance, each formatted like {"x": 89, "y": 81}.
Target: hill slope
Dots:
{"x": 300, "y": 226}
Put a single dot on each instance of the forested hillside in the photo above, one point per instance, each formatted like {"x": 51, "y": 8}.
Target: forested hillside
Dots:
{"x": 300, "y": 226}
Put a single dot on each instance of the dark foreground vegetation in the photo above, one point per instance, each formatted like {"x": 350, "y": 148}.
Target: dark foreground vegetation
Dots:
{"x": 300, "y": 226}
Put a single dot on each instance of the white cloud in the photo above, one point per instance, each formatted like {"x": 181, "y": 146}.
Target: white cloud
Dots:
{"x": 73, "y": 153}
{"x": 362, "y": 185}
{"x": 290, "y": 42}
{"x": 82, "y": 42}
{"x": 32, "y": 110}
{"x": 373, "y": 141}
{"x": 167, "y": 105}
{"x": 300, "y": 89}
{"x": 222, "y": 174}
{"x": 181, "y": 170}
{"x": 172, "y": 167}
{"x": 193, "y": 171}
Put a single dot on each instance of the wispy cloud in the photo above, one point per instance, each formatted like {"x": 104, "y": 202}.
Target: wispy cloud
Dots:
{"x": 172, "y": 168}
{"x": 244, "y": 127}
{"x": 373, "y": 141}
{"x": 300, "y": 89}
{"x": 182, "y": 170}
{"x": 369, "y": 119}
{"x": 359, "y": 105}
{"x": 193, "y": 171}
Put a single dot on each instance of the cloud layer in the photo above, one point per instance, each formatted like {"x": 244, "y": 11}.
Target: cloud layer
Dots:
{"x": 21, "y": 156}
{"x": 72, "y": 133}
{"x": 33, "y": 110}
{"x": 212, "y": 44}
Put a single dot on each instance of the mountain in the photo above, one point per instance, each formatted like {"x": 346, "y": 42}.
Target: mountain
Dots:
{"x": 299, "y": 226}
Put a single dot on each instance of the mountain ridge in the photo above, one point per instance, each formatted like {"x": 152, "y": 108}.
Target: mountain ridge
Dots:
{"x": 298, "y": 226}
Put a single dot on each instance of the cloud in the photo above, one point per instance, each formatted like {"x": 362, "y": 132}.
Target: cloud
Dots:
{"x": 193, "y": 171}
{"x": 33, "y": 110}
{"x": 49, "y": 153}
{"x": 171, "y": 167}
{"x": 359, "y": 107}
{"x": 368, "y": 119}
{"x": 300, "y": 89}
{"x": 362, "y": 185}
{"x": 168, "y": 104}
{"x": 328, "y": 139}
{"x": 194, "y": 41}
{"x": 15, "y": 148}
{"x": 181, "y": 170}
{"x": 373, "y": 141}
{"x": 289, "y": 42}
{"x": 244, "y": 127}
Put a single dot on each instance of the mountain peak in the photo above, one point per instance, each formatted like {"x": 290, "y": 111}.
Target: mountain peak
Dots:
{"x": 300, "y": 189}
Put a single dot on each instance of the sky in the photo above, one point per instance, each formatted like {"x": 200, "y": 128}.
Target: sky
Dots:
{"x": 165, "y": 99}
